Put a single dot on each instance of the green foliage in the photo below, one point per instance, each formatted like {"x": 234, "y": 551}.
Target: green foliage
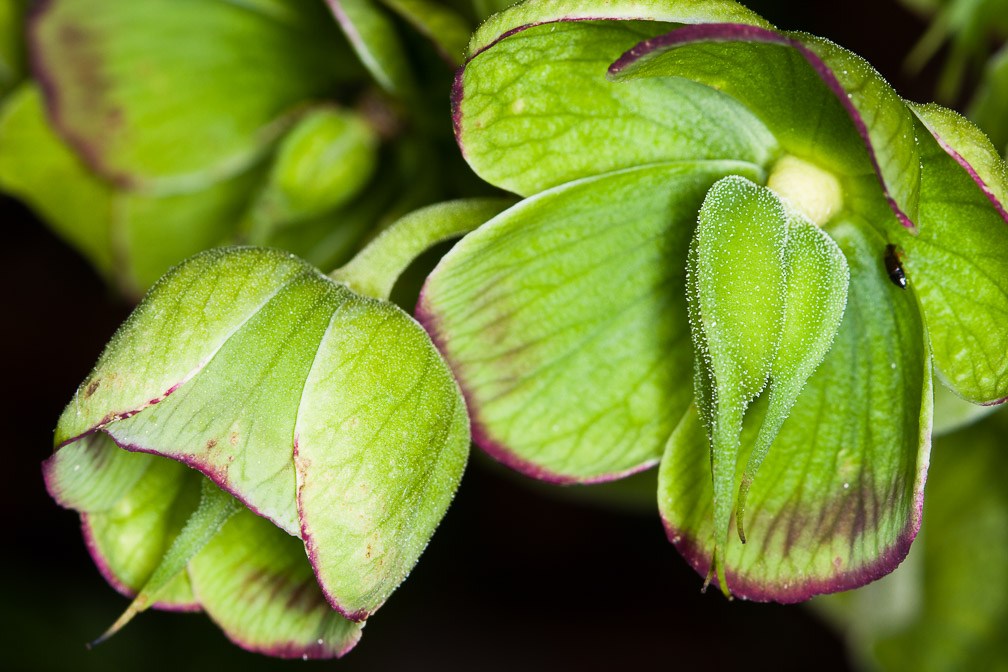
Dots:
{"x": 766, "y": 291}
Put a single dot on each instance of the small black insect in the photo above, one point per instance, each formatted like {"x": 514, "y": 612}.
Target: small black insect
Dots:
{"x": 894, "y": 268}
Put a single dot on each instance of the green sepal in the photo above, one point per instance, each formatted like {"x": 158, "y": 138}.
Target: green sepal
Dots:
{"x": 958, "y": 264}
{"x": 564, "y": 320}
{"x": 522, "y": 15}
{"x": 817, "y": 280}
{"x": 255, "y": 583}
{"x": 532, "y": 108}
{"x": 129, "y": 237}
{"x": 766, "y": 291}
{"x": 839, "y": 112}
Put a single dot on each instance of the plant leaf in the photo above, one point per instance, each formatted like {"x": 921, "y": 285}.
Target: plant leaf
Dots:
{"x": 818, "y": 277}
{"x": 838, "y": 499}
{"x": 736, "y": 287}
{"x": 532, "y": 108}
{"x": 833, "y": 97}
{"x": 151, "y": 96}
{"x": 228, "y": 366}
{"x": 958, "y": 265}
{"x": 373, "y": 37}
{"x": 564, "y": 320}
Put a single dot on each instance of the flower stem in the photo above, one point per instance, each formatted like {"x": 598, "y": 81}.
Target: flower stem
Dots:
{"x": 375, "y": 269}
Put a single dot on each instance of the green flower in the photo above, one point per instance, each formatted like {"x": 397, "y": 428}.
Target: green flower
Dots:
{"x": 708, "y": 272}
{"x": 327, "y": 413}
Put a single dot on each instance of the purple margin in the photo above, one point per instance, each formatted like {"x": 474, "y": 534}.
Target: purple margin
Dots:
{"x": 739, "y": 32}
{"x": 991, "y": 196}
{"x": 217, "y": 475}
{"x": 292, "y": 650}
{"x": 481, "y": 435}
{"x": 311, "y": 548}
{"x": 797, "y": 590}
{"x": 457, "y": 91}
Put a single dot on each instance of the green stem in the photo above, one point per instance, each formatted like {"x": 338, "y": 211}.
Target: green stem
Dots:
{"x": 215, "y": 508}
{"x": 375, "y": 269}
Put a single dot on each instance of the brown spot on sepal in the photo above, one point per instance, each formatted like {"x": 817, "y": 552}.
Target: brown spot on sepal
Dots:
{"x": 92, "y": 388}
{"x": 211, "y": 444}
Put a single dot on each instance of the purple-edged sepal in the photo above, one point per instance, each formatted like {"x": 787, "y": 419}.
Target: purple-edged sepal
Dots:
{"x": 838, "y": 499}
{"x": 821, "y": 102}
{"x": 328, "y": 413}
{"x": 958, "y": 264}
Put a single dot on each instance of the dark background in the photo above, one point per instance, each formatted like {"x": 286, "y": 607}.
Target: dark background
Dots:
{"x": 517, "y": 576}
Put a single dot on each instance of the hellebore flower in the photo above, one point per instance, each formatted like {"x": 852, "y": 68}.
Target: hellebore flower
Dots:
{"x": 328, "y": 413}
{"x": 742, "y": 255}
